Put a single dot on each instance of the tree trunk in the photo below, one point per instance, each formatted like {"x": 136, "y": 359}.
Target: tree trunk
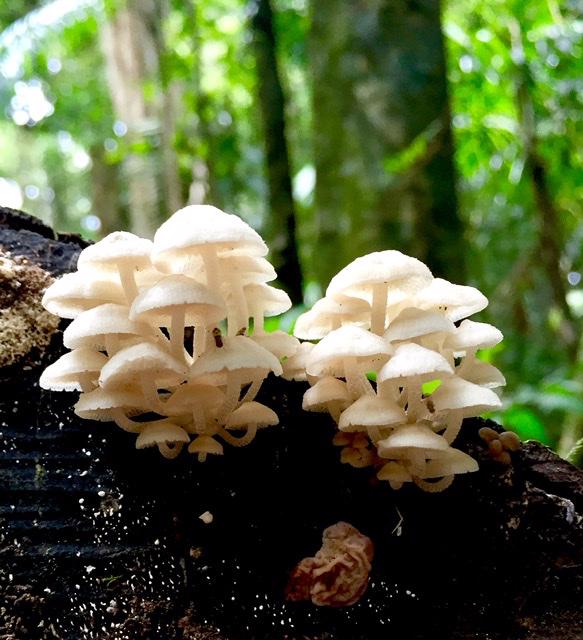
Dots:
{"x": 132, "y": 60}
{"x": 105, "y": 192}
{"x": 280, "y": 226}
{"x": 383, "y": 146}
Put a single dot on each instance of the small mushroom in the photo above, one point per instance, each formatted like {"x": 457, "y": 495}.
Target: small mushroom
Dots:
{"x": 77, "y": 370}
{"x": 460, "y": 399}
{"x": 106, "y": 327}
{"x": 168, "y": 437}
{"x": 373, "y": 415}
{"x": 177, "y": 301}
{"x": 250, "y": 416}
{"x": 349, "y": 352}
{"x": 122, "y": 253}
{"x": 115, "y": 405}
{"x": 454, "y": 300}
{"x": 411, "y": 366}
{"x": 331, "y": 313}
{"x": 204, "y": 445}
{"x": 384, "y": 277}
{"x": 427, "y": 328}
{"x": 264, "y": 300}
{"x": 328, "y": 394}
{"x": 146, "y": 366}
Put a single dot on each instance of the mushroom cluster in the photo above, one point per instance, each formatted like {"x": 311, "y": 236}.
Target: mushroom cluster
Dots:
{"x": 396, "y": 367}
{"x": 132, "y": 358}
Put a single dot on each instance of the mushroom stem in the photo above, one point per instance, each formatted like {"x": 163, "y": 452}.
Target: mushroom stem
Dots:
{"x": 454, "y": 424}
{"x": 252, "y": 391}
{"x": 258, "y": 319}
{"x": 199, "y": 339}
{"x": 334, "y": 409}
{"x": 414, "y": 401}
{"x": 168, "y": 451}
{"x": 151, "y": 395}
{"x": 232, "y": 396}
{"x": 199, "y": 419}
{"x": 211, "y": 267}
{"x": 128, "y": 282}
{"x": 243, "y": 440}
{"x": 466, "y": 363}
{"x": 357, "y": 383}
{"x": 433, "y": 487}
{"x": 417, "y": 462}
{"x": 238, "y": 309}
{"x": 122, "y": 421}
{"x": 379, "y": 307}
{"x": 177, "y": 333}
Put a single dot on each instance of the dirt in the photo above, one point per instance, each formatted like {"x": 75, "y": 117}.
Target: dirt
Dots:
{"x": 99, "y": 540}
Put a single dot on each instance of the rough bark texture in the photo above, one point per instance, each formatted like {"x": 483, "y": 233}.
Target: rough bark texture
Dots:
{"x": 280, "y": 227}
{"x": 102, "y": 541}
{"x": 382, "y": 141}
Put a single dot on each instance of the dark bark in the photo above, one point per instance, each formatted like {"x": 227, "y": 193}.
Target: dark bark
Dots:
{"x": 280, "y": 226}
{"x": 383, "y": 146}
{"x": 101, "y": 539}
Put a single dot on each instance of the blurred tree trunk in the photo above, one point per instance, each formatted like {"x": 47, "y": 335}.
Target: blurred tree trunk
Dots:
{"x": 132, "y": 61}
{"x": 383, "y": 145}
{"x": 280, "y": 227}
{"x": 105, "y": 192}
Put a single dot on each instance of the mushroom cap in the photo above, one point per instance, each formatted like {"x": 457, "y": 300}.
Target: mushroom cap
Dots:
{"x": 203, "y": 225}
{"x": 449, "y": 462}
{"x": 319, "y": 320}
{"x": 251, "y": 413}
{"x": 294, "y": 368}
{"x": 246, "y": 269}
{"x": 326, "y": 390}
{"x": 483, "y": 374}
{"x": 280, "y": 343}
{"x": 473, "y": 335}
{"x": 190, "y": 395}
{"x": 63, "y": 375}
{"x": 414, "y": 361}
{"x": 76, "y": 292}
{"x": 454, "y": 300}
{"x": 119, "y": 247}
{"x": 402, "y": 273}
{"x": 411, "y": 437}
{"x": 414, "y": 323}
{"x": 271, "y": 300}
{"x": 161, "y": 431}
{"x": 156, "y": 303}
{"x": 236, "y": 354}
{"x": 395, "y": 472}
{"x": 97, "y": 404}
{"x": 205, "y": 444}
{"x": 141, "y": 361}
{"x": 458, "y": 394}
{"x": 89, "y": 328}
{"x": 346, "y": 342}
{"x": 371, "y": 411}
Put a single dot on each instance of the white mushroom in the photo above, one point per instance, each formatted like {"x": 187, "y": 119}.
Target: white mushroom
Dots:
{"x": 410, "y": 367}
{"x": 105, "y": 327}
{"x": 460, "y": 399}
{"x": 115, "y": 405}
{"x": 146, "y": 366}
{"x": 167, "y": 436}
{"x": 77, "y": 370}
{"x": 249, "y": 416}
{"x": 328, "y": 394}
{"x": 122, "y": 253}
{"x": 331, "y": 313}
{"x": 200, "y": 403}
{"x": 177, "y": 301}
{"x": 264, "y": 300}
{"x": 294, "y": 367}
{"x": 204, "y": 445}
{"x": 76, "y": 292}
{"x": 373, "y": 414}
{"x": 382, "y": 277}
{"x": 427, "y": 328}
{"x": 244, "y": 362}
{"x": 454, "y": 300}
{"x": 349, "y": 352}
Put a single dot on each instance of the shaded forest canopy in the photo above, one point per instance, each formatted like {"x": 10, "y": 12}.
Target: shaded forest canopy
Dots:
{"x": 454, "y": 136}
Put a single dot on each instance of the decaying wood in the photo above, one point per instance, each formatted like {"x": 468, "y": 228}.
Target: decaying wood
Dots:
{"x": 102, "y": 541}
